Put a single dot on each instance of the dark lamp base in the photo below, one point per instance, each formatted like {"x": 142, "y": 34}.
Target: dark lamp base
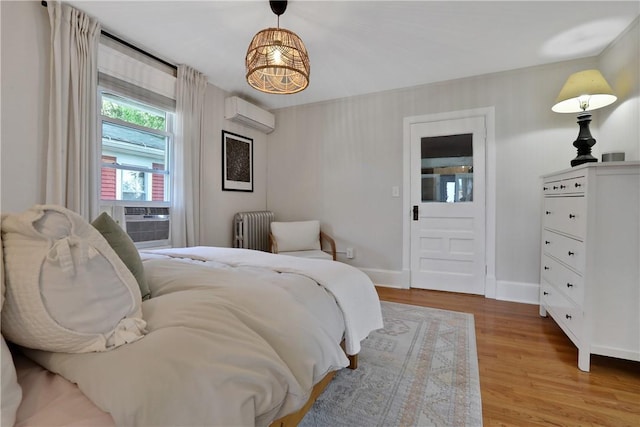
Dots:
{"x": 583, "y": 159}
{"x": 584, "y": 142}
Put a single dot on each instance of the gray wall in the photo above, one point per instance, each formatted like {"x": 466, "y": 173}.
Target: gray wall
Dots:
{"x": 620, "y": 123}
{"x": 218, "y": 207}
{"x": 25, "y": 91}
{"x": 25, "y": 88}
{"x": 337, "y": 161}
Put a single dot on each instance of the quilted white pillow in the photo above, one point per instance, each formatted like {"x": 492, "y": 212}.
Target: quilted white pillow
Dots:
{"x": 67, "y": 290}
{"x": 296, "y": 235}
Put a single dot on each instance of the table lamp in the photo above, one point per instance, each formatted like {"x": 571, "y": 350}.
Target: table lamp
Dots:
{"x": 583, "y": 92}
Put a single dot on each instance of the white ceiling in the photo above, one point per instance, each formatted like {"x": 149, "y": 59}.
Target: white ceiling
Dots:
{"x": 358, "y": 47}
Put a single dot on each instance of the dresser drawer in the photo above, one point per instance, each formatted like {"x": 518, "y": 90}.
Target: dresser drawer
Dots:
{"x": 567, "y": 184}
{"x": 568, "y": 316}
{"x": 565, "y": 249}
{"x": 566, "y": 214}
{"x": 571, "y": 284}
{"x": 577, "y": 185}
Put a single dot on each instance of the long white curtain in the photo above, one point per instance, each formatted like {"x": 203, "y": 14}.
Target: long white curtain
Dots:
{"x": 187, "y": 155}
{"x": 72, "y": 163}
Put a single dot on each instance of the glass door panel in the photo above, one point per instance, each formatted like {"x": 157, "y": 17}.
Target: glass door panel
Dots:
{"x": 447, "y": 168}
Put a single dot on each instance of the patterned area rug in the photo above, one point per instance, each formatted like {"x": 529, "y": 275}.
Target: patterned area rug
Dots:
{"x": 420, "y": 370}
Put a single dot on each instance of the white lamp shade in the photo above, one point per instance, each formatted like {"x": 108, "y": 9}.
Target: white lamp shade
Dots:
{"x": 584, "y": 91}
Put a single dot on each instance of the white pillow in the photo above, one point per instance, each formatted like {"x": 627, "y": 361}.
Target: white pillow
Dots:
{"x": 296, "y": 235}
{"x": 67, "y": 289}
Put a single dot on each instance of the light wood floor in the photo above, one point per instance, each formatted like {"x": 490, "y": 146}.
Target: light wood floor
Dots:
{"x": 528, "y": 367}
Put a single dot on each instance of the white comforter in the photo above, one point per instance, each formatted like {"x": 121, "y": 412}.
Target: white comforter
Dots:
{"x": 352, "y": 289}
{"x": 227, "y": 345}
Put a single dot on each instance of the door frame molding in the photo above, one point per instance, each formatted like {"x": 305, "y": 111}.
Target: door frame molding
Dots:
{"x": 490, "y": 189}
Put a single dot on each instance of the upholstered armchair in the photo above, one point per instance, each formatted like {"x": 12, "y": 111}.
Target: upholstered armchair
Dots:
{"x": 301, "y": 239}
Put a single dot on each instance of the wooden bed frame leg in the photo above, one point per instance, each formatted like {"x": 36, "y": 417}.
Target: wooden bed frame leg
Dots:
{"x": 353, "y": 361}
{"x": 353, "y": 358}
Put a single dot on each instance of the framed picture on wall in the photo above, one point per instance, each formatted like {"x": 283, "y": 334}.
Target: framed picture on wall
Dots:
{"x": 237, "y": 162}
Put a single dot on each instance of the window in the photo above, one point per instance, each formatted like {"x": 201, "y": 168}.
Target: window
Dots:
{"x": 136, "y": 142}
{"x": 135, "y": 147}
{"x": 447, "y": 168}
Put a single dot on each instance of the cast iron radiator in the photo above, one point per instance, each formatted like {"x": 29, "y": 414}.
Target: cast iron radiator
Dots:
{"x": 251, "y": 230}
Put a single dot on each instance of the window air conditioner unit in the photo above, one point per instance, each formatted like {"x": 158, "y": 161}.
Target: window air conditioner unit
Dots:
{"x": 240, "y": 111}
{"x": 148, "y": 225}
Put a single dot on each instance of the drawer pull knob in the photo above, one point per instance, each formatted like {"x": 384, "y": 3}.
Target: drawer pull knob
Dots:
{"x": 546, "y": 242}
{"x": 571, "y": 216}
{"x": 567, "y": 316}
{"x": 546, "y": 268}
{"x": 562, "y": 187}
{"x": 569, "y": 285}
{"x": 545, "y": 188}
{"x": 578, "y": 185}
{"x": 571, "y": 253}
{"x": 545, "y": 293}
{"x": 547, "y": 212}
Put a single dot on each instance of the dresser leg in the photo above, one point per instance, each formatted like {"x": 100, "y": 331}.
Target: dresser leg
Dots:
{"x": 543, "y": 311}
{"x": 584, "y": 359}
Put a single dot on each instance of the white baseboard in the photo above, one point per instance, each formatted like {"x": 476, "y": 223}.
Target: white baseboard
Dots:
{"x": 527, "y": 293}
{"x": 490, "y": 287}
{"x": 388, "y": 278}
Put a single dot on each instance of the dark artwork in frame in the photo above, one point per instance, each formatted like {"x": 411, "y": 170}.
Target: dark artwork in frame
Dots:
{"x": 237, "y": 162}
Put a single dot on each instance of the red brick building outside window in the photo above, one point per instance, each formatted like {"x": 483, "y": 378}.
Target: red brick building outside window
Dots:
{"x": 108, "y": 180}
{"x": 157, "y": 183}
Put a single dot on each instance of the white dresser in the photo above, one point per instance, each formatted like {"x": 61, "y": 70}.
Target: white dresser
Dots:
{"x": 590, "y": 258}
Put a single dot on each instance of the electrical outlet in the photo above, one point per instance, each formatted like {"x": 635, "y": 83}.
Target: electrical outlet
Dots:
{"x": 350, "y": 253}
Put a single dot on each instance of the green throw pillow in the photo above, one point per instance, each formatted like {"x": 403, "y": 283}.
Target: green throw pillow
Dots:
{"x": 122, "y": 244}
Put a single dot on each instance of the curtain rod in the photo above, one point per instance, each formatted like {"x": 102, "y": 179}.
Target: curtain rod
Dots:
{"x": 129, "y": 45}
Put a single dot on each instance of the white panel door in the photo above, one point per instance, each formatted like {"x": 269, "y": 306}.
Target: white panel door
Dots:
{"x": 448, "y": 201}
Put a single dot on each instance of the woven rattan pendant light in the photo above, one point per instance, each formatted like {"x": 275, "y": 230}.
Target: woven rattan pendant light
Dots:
{"x": 277, "y": 61}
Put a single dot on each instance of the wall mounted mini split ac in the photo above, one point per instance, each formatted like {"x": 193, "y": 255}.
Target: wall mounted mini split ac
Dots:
{"x": 238, "y": 110}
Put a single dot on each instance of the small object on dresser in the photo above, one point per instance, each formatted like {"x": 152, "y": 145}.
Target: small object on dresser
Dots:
{"x": 613, "y": 157}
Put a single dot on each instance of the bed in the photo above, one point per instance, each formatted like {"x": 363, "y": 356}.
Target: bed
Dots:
{"x": 228, "y": 337}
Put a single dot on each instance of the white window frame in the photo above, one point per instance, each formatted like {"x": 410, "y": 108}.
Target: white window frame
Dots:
{"x": 113, "y": 207}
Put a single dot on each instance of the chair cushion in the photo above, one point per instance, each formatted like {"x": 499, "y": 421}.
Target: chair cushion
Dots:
{"x": 309, "y": 254}
{"x": 296, "y": 235}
